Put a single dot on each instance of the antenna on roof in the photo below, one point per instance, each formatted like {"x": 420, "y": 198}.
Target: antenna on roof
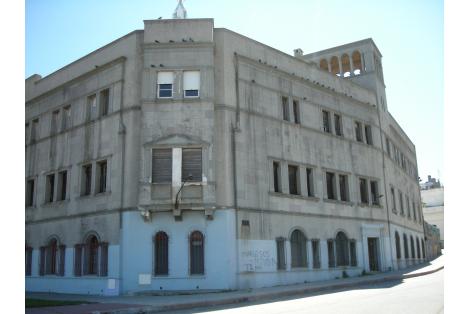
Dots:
{"x": 180, "y": 11}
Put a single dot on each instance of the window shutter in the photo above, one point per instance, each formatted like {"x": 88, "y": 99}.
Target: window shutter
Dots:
{"x": 165, "y": 78}
{"x": 61, "y": 260}
{"x": 42, "y": 257}
{"x": 162, "y": 165}
{"x": 104, "y": 259}
{"x": 192, "y": 164}
{"x": 191, "y": 80}
{"x": 78, "y": 260}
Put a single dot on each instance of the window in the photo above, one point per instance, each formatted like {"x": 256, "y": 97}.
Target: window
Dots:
{"x": 338, "y": 127}
{"x": 104, "y": 102}
{"x": 330, "y": 186}
{"x": 34, "y": 130}
{"x": 394, "y": 205}
{"x": 30, "y": 192}
{"x": 293, "y": 179}
{"x": 316, "y": 253}
{"x": 387, "y": 141}
{"x": 192, "y": 165}
{"x": 405, "y": 246}
{"x": 412, "y": 244}
{"x": 101, "y": 175}
{"x": 52, "y": 259}
{"x": 91, "y": 257}
{"x": 191, "y": 83}
{"x": 197, "y": 253}
{"x": 86, "y": 180}
{"x": 400, "y": 199}
{"x": 55, "y": 122}
{"x": 368, "y": 131}
{"x": 281, "y": 255}
{"x": 326, "y": 121}
{"x": 418, "y": 250}
{"x": 162, "y": 165}
{"x": 277, "y": 176}
{"x": 363, "y": 190}
{"x": 91, "y": 107}
{"x": 161, "y": 253}
{"x": 331, "y": 253}
{"x": 309, "y": 175}
{"x": 66, "y": 118}
{"x": 343, "y": 187}
{"x": 397, "y": 245}
{"x": 28, "y": 260}
{"x": 422, "y": 248}
{"x": 50, "y": 188}
{"x": 165, "y": 84}
{"x": 296, "y": 108}
{"x": 352, "y": 252}
{"x": 374, "y": 191}
{"x": 298, "y": 244}
{"x": 26, "y": 133}
{"x": 358, "y": 130}
{"x": 408, "y": 207}
{"x": 285, "y": 108}
{"x": 342, "y": 250}
{"x": 62, "y": 186}
{"x": 414, "y": 211}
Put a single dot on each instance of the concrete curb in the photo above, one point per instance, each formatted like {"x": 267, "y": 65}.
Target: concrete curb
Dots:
{"x": 262, "y": 296}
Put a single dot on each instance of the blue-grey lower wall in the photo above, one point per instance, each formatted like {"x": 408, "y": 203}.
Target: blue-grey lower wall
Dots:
{"x": 138, "y": 248}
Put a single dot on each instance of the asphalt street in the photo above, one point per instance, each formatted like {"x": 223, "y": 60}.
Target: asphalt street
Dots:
{"x": 424, "y": 294}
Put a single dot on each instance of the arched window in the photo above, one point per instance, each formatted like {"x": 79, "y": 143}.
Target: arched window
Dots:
{"x": 357, "y": 62}
{"x": 342, "y": 251}
{"x": 412, "y": 247}
{"x": 334, "y": 63}
{"x": 91, "y": 256}
{"x": 196, "y": 244}
{"x": 52, "y": 258}
{"x": 418, "y": 250}
{"x": 423, "y": 249}
{"x": 161, "y": 253}
{"x": 346, "y": 65}
{"x": 324, "y": 64}
{"x": 405, "y": 246}
{"x": 397, "y": 245}
{"x": 298, "y": 249}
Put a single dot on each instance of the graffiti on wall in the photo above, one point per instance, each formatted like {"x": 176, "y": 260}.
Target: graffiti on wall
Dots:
{"x": 257, "y": 256}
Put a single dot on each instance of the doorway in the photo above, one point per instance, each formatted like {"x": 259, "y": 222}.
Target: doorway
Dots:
{"x": 373, "y": 247}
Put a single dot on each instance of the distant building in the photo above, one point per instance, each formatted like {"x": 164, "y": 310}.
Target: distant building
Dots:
{"x": 433, "y": 241}
{"x": 431, "y": 184}
{"x": 432, "y": 196}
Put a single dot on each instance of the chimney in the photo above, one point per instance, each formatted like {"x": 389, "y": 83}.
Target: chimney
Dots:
{"x": 298, "y": 53}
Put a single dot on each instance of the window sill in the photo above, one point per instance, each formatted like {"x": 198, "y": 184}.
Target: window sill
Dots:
{"x": 327, "y": 200}
{"x": 294, "y": 196}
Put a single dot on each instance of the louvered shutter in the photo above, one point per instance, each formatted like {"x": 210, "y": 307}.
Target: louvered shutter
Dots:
{"x": 192, "y": 164}
{"x": 42, "y": 257}
{"x": 61, "y": 260}
{"x": 104, "y": 259}
{"x": 162, "y": 165}
{"x": 78, "y": 260}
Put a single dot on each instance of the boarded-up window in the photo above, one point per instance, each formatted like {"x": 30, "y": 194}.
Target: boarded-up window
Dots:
{"x": 368, "y": 131}
{"x": 352, "y": 252}
{"x": 162, "y": 165}
{"x": 338, "y": 127}
{"x": 374, "y": 191}
{"x": 165, "y": 84}
{"x": 191, "y": 83}
{"x": 104, "y": 102}
{"x": 276, "y": 176}
{"x": 196, "y": 243}
{"x": 405, "y": 246}
{"x": 397, "y": 245}
{"x": 192, "y": 165}
{"x": 298, "y": 244}
{"x": 28, "y": 260}
{"x": 296, "y": 108}
{"x": 30, "y": 192}
{"x": 331, "y": 253}
{"x": 281, "y": 255}
{"x": 326, "y": 121}
{"x": 86, "y": 179}
{"x": 343, "y": 187}
{"x": 293, "y": 179}
{"x": 316, "y": 253}
{"x": 330, "y": 186}
{"x": 363, "y": 190}
{"x": 285, "y": 108}
{"x": 62, "y": 188}
{"x": 50, "y": 188}
{"x": 161, "y": 253}
{"x": 358, "y": 130}
{"x": 102, "y": 170}
{"x": 309, "y": 175}
{"x": 342, "y": 250}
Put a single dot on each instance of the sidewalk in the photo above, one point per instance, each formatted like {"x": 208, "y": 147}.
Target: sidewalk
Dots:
{"x": 154, "y": 304}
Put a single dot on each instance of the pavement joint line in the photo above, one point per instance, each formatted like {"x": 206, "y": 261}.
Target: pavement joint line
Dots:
{"x": 261, "y": 296}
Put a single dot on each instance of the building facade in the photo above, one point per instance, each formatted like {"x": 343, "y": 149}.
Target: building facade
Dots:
{"x": 185, "y": 157}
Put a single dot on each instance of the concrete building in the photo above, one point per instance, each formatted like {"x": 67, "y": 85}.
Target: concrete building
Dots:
{"x": 432, "y": 196}
{"x": 432, "y": 240}
{"x": 185, "y": 157}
